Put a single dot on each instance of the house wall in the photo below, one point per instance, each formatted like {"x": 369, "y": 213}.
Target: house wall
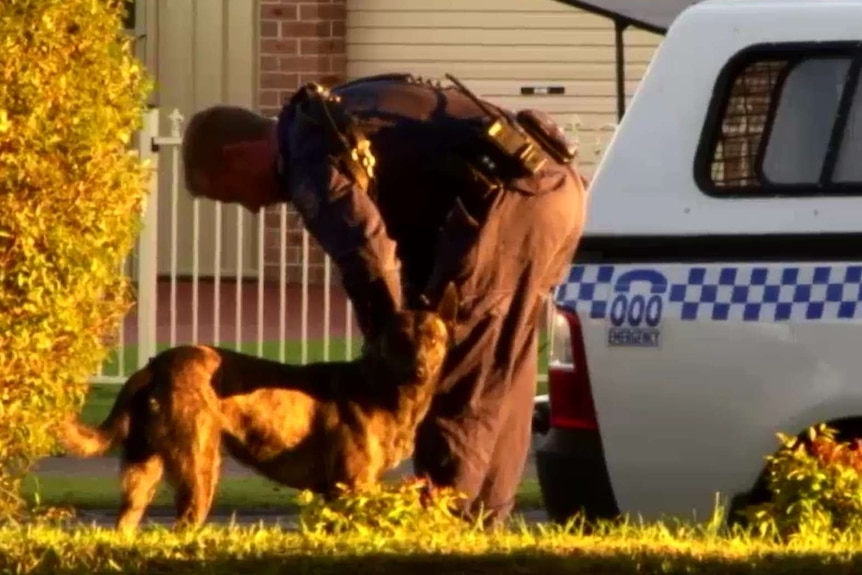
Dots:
{"x": 201, "y": 53}
{"x": 496, "y": 47}
{"x": 257, "y": 52}
{"x": 300, "y": 41}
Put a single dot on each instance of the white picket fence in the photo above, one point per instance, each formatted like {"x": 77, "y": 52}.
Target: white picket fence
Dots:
{"x": 140, "y": 339}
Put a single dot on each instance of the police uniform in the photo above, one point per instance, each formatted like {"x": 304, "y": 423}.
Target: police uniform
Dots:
{"x": 427, "y": 217}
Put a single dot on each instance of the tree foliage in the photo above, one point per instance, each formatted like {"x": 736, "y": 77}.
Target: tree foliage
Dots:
{"x": 71, "y": 99}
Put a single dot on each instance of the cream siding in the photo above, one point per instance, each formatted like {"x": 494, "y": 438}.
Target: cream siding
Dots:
{"x": 202, "y": 52}
{"x": 497, "y": 46}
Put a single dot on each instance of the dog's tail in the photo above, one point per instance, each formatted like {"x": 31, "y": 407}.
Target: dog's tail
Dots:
{"x": 83, "y": 440}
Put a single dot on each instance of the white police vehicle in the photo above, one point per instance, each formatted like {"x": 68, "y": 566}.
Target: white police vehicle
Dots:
{"x": 716, "y": 298}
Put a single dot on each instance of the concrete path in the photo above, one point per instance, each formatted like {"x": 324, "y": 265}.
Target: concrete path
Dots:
{"x": 164, "y": 516}
{"x": 108, "y": 466}
{"x": 286, "y": 521}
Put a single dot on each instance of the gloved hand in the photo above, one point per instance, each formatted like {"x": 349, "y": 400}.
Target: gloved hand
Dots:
{"x": 374, "y": 303}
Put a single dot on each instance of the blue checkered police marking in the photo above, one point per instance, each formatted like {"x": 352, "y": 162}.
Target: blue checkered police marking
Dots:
{"x": 718, "y": 293}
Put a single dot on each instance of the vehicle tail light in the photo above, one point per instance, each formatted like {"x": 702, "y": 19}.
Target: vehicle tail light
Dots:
{"x": 570, "y": 395}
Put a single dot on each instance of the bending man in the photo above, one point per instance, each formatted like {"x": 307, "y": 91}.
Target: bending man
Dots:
{"x": 408, "y": 186}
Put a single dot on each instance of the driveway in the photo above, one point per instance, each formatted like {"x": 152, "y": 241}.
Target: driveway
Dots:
{"x": 288, "y": 522}
{"x": 108, "y": 466}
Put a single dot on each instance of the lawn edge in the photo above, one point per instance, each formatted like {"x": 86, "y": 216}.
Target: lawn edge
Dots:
{"x": 162, "y": 510}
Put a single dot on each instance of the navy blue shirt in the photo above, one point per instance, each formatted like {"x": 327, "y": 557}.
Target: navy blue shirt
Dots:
{"x": 378, "y": 239}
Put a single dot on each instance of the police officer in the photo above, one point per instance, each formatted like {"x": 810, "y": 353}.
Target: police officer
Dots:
{"x": 408, "y": 186}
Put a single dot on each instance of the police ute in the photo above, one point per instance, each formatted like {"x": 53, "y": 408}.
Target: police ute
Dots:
{"x": 716, "y": 297}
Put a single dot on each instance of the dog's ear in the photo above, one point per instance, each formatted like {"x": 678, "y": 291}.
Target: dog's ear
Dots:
{"x": 447, "y": 307}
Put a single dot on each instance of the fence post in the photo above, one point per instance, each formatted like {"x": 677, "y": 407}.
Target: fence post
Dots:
{"x": 148, "y": 242}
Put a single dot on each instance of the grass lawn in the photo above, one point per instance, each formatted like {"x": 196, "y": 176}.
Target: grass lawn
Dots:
{"x": 290, "y": 351}
{"x": 101, "y": 395}
{"x": 234, "y": 493}
{"x": 377, "y": 536}
{"x": 420, "y": 548}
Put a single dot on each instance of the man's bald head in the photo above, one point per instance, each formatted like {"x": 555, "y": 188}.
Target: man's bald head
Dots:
{"x": 210, "y": 130}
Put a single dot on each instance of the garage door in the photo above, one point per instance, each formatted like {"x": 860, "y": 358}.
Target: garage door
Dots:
{"x": 502, "y": 50}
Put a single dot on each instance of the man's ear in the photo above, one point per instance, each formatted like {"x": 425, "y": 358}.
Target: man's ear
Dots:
{"x": 447, "y": 308}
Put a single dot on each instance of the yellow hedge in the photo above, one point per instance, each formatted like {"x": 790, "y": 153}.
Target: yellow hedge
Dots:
{"x": 71, "y": 98}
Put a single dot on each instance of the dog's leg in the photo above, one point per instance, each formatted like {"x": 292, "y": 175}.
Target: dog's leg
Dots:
{"x": 365, "y": 479}
{"x": 196, "y": 481}
{"x": 357, "y": 471}
{"x": 209, "y": 483}
{"x": 139, "y": 481}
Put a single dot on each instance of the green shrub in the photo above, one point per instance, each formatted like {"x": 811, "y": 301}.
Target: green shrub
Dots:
{"x": 407, "y": 508}
{"x": 71, "y": 97}
{"x": 815, "y": 486}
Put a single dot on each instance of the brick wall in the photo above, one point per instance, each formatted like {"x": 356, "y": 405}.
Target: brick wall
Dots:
{"x": 300, "y": 41}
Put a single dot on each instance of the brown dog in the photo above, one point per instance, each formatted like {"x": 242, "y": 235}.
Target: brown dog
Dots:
{"x": 307, "y": 427}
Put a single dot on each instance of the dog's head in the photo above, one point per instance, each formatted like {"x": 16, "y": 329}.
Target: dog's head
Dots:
{"x": 415, "y": 342}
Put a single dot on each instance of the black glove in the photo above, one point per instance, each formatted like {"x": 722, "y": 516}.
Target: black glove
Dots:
{"x": 375, "y": 303}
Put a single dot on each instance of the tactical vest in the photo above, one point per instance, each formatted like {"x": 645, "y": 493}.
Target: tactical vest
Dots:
{"x": 505, "y": 147}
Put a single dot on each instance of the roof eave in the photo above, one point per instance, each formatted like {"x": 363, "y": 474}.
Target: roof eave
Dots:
{"x": 615, "y": 16}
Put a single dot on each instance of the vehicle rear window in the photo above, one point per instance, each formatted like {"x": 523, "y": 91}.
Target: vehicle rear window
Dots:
{"x": 785, "y": 120}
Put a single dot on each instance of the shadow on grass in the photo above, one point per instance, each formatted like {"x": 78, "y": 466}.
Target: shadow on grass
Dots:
{"x": 566, "y": 561}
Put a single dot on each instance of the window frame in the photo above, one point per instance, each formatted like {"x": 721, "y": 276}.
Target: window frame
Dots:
{"x": 795, "y": 53}
{"x": 130, "y": 20}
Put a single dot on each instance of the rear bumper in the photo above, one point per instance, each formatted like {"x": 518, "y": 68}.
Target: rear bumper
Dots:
{"x": 573, "y": 477}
